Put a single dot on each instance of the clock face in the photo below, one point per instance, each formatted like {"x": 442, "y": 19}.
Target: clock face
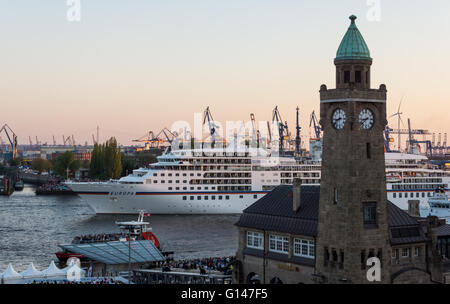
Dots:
{"x": 366, "y": 119}
{"x": 338, "y": 119}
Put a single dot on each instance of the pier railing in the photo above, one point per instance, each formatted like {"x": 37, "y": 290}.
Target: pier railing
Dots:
{"x": 157, "y": 276}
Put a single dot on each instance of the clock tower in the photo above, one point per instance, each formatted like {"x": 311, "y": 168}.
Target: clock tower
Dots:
{"x": 353, "y": 220}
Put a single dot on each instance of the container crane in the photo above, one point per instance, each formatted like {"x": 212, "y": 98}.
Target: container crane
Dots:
{"x": 12, "y": 138}
{"x": 150, "y": 140}
{"x": 170, "y": 136}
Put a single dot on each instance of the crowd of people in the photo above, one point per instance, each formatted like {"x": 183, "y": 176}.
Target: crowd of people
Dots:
{"x": 53, "y": 187}
{"x": 204, "y": 266}
{"x": 96, "y": 238}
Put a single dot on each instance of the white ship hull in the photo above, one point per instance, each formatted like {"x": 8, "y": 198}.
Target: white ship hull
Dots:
{"x": 227, "y": 184}
{"x": 103, "y": 200}
{"x": 106, "y": 199}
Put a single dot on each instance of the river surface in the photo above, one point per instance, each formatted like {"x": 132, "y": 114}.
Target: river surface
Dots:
{"x": 31, "y": 226}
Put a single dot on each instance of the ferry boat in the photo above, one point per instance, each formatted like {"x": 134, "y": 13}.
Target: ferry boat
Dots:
{"x": 226, "y": 181}
{"x": 439, "y": 205}
{"x": 140, "y": 230}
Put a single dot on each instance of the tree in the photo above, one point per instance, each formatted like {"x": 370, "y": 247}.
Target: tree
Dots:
{"x": 128, "y": 164}
{"x": 41, "y": 165}
{"x": 65, "y": 162}
{"x": 15, "y": 162}
{"x": 106, "y": 160}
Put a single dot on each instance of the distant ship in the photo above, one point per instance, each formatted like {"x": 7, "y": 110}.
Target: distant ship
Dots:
{"x": 223, "y": 181}
{"x": 439, "y": 205}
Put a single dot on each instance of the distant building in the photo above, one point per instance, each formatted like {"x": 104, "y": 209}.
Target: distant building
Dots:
{"x": 52, "y": 152}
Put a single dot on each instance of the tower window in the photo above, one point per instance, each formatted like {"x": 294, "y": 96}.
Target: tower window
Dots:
{"x": 370, "y": 214}
{"x": 346, "y": 76}
{"x": 358, "y": 76}
{"x": 368, "y": 152}
{"x": 367, "y": 77}
{"x": 335, "y": 198}
{"x": 326, "y": 256}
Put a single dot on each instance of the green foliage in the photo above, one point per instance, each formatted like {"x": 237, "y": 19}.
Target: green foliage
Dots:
{"x": 41, "y": 165}
{"x": 85, "y": 164}
{"x": 64, "y": 162}
{"x": 143, "y": 158}
{"x": 106, "y": 161}
{"x": 15, "y": 162}
{"x": 128, "y": 164}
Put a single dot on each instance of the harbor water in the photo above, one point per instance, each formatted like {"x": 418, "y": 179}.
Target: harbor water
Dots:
{"x": 31, "y": 226}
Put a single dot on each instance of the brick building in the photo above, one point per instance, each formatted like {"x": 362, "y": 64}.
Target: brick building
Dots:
{"x": 330, "y": 234}
{"x": 278, "y": 240}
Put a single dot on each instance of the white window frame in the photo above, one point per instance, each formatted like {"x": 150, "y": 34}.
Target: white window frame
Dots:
{"x": 255, "y": 240}
{"x": 276, "y": 241}
{"x": 403, "y": 253}
{"x": 300, "y": 244}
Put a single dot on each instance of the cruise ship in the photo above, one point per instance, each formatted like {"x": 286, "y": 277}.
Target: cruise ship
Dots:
{"x": 226, "y": 181}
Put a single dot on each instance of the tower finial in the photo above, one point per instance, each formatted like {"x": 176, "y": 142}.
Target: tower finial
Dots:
{"x": 353, "y": 18}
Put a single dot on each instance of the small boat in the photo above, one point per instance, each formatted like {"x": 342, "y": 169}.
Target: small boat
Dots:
{"x": 139, "y": 231}
{"x": 18, "y": 186}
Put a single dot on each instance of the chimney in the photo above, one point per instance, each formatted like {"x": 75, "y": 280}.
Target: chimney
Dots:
{"x": 296, "y": 193}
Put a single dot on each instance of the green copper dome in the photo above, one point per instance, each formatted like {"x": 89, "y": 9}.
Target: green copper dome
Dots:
{"x": 353, "y": 45}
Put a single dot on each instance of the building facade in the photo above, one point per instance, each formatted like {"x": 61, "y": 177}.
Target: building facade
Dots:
{"x": 338, "y": 232}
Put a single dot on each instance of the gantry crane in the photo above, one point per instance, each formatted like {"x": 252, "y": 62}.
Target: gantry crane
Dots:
{"x": 12, "y": 138}
{"x": 155, "y": 141}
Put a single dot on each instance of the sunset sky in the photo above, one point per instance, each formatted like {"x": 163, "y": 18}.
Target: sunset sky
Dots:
{"x": 134, "y": 66}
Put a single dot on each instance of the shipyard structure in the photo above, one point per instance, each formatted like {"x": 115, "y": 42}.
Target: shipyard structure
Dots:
{"x": 346, "y": 230}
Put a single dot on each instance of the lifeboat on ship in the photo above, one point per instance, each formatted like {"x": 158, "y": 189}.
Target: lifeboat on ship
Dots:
{"x": 393, "y": 178}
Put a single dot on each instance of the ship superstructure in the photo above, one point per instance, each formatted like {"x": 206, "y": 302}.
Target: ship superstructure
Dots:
{"x": 226, "y": 181}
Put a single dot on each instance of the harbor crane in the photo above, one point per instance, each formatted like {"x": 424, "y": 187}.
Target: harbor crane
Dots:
{"x": 150, "y": 140}
{"x": 12, "y": 138}
{"x": 255, "y": 132}
{"x": 212, "y": 127}
{"x": 315, "y": 123}
{"x": 412, "y": 142}
{"x": 297, "y": 138}
{"x": 283, "y": 131}
{"x": 155, "y": 141}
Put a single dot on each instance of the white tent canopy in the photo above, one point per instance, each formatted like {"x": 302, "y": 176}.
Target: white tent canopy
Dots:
{"x": 10, "y": 274}
{"x": 31, "y": 272}
{"x": 74, "y": 272}
{"x": 52, "y": 271}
